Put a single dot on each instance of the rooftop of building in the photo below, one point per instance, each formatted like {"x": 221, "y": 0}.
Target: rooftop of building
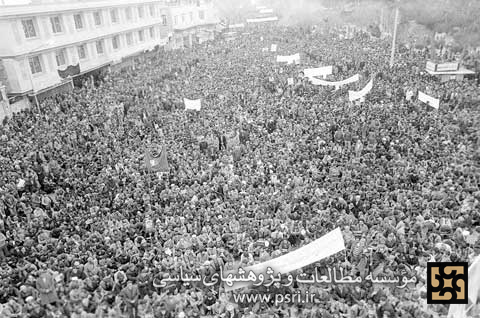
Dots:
{"x": 43, "y": 7}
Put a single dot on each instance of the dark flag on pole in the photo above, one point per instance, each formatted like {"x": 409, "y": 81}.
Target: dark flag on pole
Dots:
{"x": 157, "y": 161}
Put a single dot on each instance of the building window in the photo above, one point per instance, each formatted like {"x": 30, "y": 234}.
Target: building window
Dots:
{"x": 183, "y": 17}
{"x": 82, "y": 52}
{"x": 128, "y": 13}
{"x": 99, "y": 45}
{"x": 164, "y": 19}
{"x": 176, "y": 19}
{"x": 191, "y": 16}
{"x": 115, "y": 42}
{"x": 114, "y": 15}
{"x": 97, "y": 18}
{"x": 152, "y": 32}
{"x": 140, "y": 12}
{"x": 201, "y": 15}
{"x": 60, "y": 57}
{"x": 129, "y": 38}
{"x": 56, "y": 24}
{"x": 29, "y": 28}
{"x": 152, "y": 10}
{"x": 35, "y": 64}
{"x": 140, "y": 36}
{"x": 78, "y": 21}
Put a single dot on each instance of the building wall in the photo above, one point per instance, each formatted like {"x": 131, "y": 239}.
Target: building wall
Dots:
{"x": 8, "y": 109}
{"x": 192, "y": 19}
{"x": 16, "y": 43}
{"x": 189, "y": 16}
{"x": 3, "y": 74}
{"x": 16, "y": 48}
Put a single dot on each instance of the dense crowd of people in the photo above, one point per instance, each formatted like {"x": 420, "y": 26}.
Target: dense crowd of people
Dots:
{"x": 262, "y": 169}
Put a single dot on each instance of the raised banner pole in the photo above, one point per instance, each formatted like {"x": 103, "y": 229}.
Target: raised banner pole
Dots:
{"x": 397, "y": 16}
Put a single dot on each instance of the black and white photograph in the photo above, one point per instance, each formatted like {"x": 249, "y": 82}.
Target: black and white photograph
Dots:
{"x": 239, "y": 158}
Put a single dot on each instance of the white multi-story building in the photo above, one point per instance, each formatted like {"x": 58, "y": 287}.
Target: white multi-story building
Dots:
{"x": 40, "y": 42}
{"x": 193, "y": 21}
{"x": 45, "y": 45}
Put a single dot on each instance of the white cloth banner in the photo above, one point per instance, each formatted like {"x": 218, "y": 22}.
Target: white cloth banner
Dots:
{"x": 429, "y": 100}
{"x": 319, "y": 249}
{"x": 236, "y": 26}
{"x": 353, "y": 79}
{"x": 264, "y": 11}
{"x": 460, "y": 311}
{"x": 195, "y": 104}
{"x": 353, "y": 95}
{"x": 289, "y": 59}
{"x": 273, "y": 48}
{"x": 319, "y": 71}
{"x": 448, "y": 67}
{"x": 260, "y": 20}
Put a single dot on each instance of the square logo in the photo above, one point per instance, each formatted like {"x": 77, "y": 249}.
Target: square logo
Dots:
{"x": 447, "y": 283}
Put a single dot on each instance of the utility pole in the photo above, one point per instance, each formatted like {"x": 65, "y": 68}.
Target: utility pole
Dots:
{"x": 382, "y": 29}
{"x": 394, "y": 40}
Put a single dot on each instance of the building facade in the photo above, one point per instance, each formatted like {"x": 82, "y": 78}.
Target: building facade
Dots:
{"x": 193, "y": 22}
{"x": 46, "y": 45}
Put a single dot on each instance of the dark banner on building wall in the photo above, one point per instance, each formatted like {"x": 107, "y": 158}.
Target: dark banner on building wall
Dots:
{"x": 69, "y": 71}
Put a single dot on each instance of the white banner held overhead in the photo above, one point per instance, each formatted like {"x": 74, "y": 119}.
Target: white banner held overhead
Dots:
{"x": 319, "y": 249}
{"x": 289, "y": 59}
{"x": 353, "y": 79}
{"x": 353, "y": 95}
{"x": 260, "y": 20}
{"x": 236, "y": 26}
{"x": 432, "y": 67}
{"x": 319, "y": 71}
{"x": 448, "y": 67}
{"x": 195, "y": 104}
{"x": 429, "y": 100}
{"x": 273, "y": 48}
{"x": 265, "y": 11}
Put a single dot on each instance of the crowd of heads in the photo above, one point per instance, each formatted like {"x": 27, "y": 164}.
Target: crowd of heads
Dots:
{"x": 262, "y": 169}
